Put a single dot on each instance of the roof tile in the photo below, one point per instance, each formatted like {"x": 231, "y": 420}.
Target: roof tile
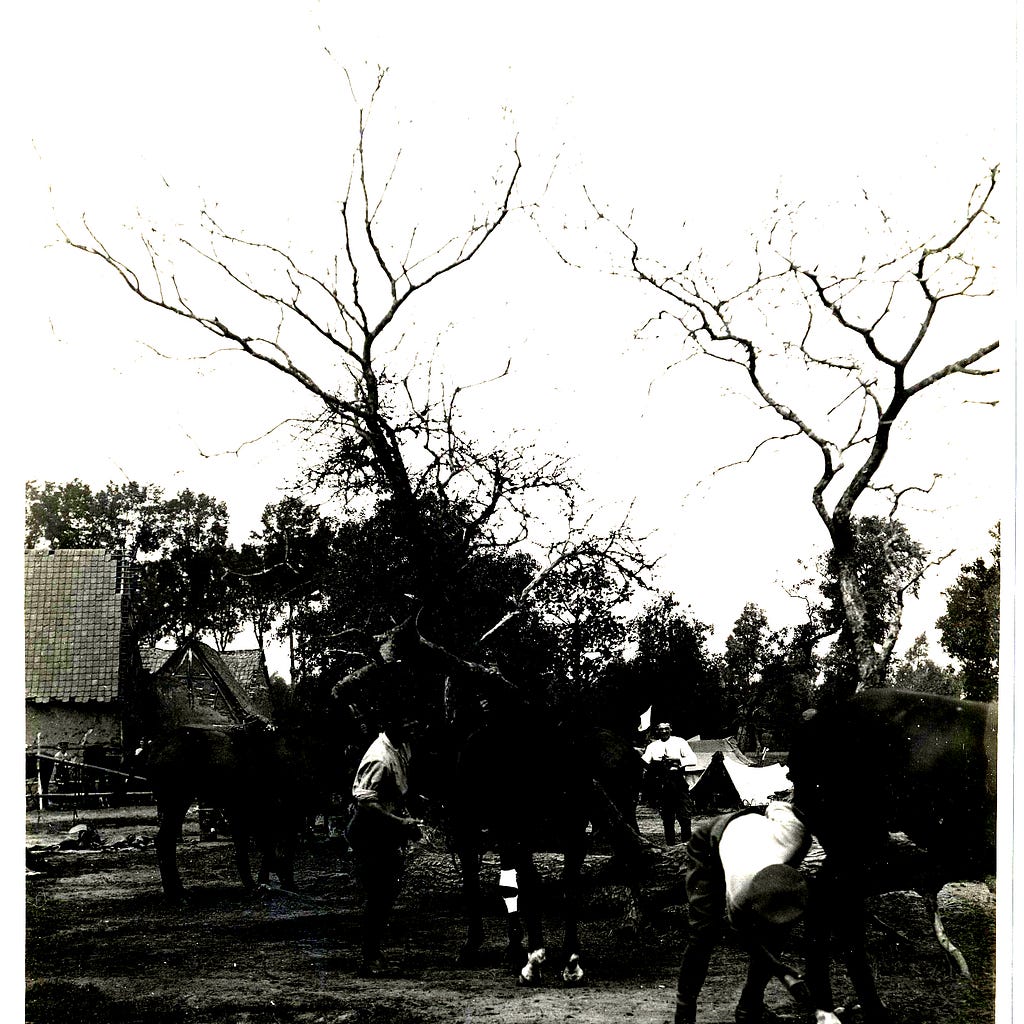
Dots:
{"x": 73, "y": 624}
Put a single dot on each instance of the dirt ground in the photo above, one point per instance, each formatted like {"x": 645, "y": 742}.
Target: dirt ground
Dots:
{"x": 103, "y": 946}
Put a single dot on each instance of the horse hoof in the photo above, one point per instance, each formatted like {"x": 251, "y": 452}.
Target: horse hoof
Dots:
{"x": 531, "y": 973}
{"x": 572, "y": 974}
{"x": 533, "y": 981}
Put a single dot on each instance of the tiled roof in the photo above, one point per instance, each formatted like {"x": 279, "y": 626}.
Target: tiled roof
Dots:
{"x": 153, "y": 658}
{"x": 247, "y": 668}
{"x": 241, "y": 672}
{"x": 73, "y": 624}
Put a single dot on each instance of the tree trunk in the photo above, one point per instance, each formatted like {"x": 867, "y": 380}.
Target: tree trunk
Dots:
{"x": 869, "y": 663}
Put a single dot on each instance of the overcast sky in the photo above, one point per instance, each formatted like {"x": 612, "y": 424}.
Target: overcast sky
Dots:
{"x": 134, "y": 116}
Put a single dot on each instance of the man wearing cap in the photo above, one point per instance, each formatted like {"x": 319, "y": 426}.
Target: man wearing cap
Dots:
{"x": 667, "y": 757}
{"x": 742, "y": 870}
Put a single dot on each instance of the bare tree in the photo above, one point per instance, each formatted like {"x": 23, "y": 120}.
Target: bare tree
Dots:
{"x": 389, "y": 432}
{"x": 837, "y": 358}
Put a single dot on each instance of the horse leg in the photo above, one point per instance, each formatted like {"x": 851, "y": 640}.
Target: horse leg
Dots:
{"x": 240, "y": 839}
{"x": 632, "y": 923}
{"x": 818, "y": 931}
{"x": 849, "y": 920}
{"x": 572, "y": 871}
{"x": 635, "y": 855}
{"x": 530, "y": 904}
{"x": 469, "y": 862}
{"x": 931, "y": 902}
{"x": 286, "y": 850}
{"x": 826, "y": 908}
{"x": 268, "y": 862}
{"x": 277, "y": 839}
{"x": 171, "y": 811}
{"x": 274, "y": 858}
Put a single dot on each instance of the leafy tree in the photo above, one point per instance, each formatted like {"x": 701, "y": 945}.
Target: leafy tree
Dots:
{"x": 580, "y": 602}
{"x": 916, "y": 671}
{"x": 889, "y": 565}
{"x": 283, "y": 569}
{"x": 674, "y": 670}
{"x": 767, "y": 678}
{"x": 119, "y": 517}
{"x": 748, "y": 649}
{"x": 339, "y": 586}
{"x": 186, "y": 589}
{"x": 178, "y": 548}
{"x": 255, "y": 589}
{"x": 970, "y": 625}
{"x": 361, "y": 581}
{"x": 785, "y": 689}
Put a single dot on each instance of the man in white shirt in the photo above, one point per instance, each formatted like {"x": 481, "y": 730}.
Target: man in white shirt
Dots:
{"x": 379, "y": 831}
{"x": 667, "y": 757}
{"x": 742, "y": 872}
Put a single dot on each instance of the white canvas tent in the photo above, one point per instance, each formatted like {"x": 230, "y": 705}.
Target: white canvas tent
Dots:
{"x": 757, "y": 785}
{"x": 725, "y": 777}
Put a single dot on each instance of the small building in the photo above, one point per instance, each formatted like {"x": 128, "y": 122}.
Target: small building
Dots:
{"x": 80, "y": 657}
{"x": 198, "y": 687}
{"x": 87, "y": 683}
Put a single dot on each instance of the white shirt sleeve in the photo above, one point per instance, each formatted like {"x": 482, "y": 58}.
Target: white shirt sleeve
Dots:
{"x": 685, "y": 753}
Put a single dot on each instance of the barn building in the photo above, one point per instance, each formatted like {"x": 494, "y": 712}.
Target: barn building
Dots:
{"x": 198, "y": 687}
{"x": 83, "y": 666}
{"x": 80, "y": 659}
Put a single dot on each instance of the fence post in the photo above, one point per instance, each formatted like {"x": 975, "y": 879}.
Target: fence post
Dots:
{"x": 39, "y": 768}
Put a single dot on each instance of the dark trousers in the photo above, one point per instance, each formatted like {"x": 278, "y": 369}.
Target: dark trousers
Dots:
{"x": 671, "y": 796}
{"x": 705, "y": 895}
{"x": 379, "y": 869}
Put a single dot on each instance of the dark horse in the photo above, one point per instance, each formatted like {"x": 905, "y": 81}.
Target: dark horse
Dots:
{"x": 508, "y": 778}
{"x": 268, "y": 773}
{"x": 238, "y": 769}
{"x": 521, "y": 788}
{"x": 931, "y": 763}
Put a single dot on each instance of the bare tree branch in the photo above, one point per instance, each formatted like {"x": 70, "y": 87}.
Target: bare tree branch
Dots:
{"x": 861, "y": 348}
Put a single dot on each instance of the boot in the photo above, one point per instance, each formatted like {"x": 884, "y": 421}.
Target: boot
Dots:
{"x": 686, "y": 1013}
{"x": 748, "y": 1015}
{"x": 755, "y": 1014}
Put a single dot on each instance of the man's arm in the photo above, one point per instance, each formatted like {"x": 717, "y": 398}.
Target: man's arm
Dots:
{"x": 365, "y": 790}
{"x": 409, "y": 826}
{"x": 686, "y": 755}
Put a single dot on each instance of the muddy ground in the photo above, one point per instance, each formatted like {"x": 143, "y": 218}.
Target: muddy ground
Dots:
{"x": 103, "y": 946}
